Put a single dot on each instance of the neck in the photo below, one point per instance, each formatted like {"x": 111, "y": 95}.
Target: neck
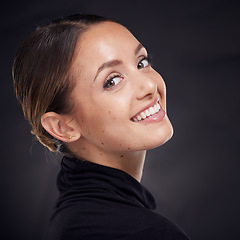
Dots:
{"x": 131, "y": 162}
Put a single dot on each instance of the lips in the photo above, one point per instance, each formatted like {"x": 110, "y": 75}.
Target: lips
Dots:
{"x": 148, "y": 111}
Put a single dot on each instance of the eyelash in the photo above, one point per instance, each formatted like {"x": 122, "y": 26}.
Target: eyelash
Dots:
{"x": 148, "y": 60}
{"x": 110, "y": 79}
{"x": 120, "y": 76}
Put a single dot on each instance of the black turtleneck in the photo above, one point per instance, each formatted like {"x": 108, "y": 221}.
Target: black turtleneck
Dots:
{"x": 99, "y": 202}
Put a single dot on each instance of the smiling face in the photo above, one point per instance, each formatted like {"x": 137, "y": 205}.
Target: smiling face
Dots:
{"x": 119, "y": 99}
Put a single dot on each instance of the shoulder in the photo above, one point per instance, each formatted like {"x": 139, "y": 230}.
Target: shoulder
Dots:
{"x": 170, "y": 232}
{"x": 151, "y": 225}
{"x": 113, "y": 222}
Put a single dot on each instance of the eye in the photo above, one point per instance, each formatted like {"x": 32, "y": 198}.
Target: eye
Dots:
{"x": 113, "y": 81}
{"x": 144, "y": 62}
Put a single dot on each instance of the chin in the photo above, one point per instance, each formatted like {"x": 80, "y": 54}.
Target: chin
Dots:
{"x": 166, "y": 135}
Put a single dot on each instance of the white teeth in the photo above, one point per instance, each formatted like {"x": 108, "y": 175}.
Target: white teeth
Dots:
{"x": 139, "y": 118}
{"x": 155, "y": 108}
{"x": 143, "y": 115}
{"x": 147, "y": 112}
{"x": 151, "y": 110}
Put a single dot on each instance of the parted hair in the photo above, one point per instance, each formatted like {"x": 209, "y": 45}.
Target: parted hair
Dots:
{"x": 41, "y": 72}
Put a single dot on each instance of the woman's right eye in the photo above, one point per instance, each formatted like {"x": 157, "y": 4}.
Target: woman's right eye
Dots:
{"x": 113, "y": 81}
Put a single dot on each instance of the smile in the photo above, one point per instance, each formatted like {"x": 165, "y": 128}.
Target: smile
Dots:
{"x": 147, "y": 113}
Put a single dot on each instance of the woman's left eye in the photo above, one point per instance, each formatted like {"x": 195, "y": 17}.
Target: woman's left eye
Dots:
{"x": 143, "y": 63}
{"x": 113, "y": 81}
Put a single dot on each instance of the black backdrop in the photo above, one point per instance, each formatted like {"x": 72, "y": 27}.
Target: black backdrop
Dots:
{"x": 195, "y": 176}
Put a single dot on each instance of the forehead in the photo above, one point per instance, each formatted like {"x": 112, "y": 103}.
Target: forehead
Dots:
{"x": 105, "y": 40}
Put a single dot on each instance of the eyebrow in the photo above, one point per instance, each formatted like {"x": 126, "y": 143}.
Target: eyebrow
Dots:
{"x": 115, "y": 62}
{"x": 138, "y": 48}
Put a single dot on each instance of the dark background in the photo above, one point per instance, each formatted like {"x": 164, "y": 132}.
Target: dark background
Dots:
{"x": 195, "y": 176}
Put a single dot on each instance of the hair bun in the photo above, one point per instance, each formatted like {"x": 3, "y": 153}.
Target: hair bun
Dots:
{"x": 47, "y": 141}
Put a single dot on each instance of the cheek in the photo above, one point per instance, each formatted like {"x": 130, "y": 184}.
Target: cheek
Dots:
{"x": 161, "y": 86}
{"x": 96, "y": 116}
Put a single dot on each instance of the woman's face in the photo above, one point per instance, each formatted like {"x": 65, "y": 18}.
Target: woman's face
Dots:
{"x": 116, "y": 88}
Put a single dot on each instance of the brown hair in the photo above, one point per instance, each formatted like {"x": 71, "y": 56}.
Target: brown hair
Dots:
{"x": 41, "y": 74}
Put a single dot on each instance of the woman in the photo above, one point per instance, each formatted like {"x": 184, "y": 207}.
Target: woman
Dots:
{"x": 86, "y": 85}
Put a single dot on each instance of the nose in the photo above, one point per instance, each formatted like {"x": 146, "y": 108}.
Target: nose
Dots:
{"x": 146, "y": 87}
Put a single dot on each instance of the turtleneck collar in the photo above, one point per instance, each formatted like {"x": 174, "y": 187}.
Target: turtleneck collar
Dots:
{"x": 78, "y": 177}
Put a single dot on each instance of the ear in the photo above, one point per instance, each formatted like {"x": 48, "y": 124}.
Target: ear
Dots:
{"x": 61, "y": 127}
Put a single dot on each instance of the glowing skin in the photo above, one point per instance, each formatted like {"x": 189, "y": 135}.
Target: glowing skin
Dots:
{"x": 106, "y": 107}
